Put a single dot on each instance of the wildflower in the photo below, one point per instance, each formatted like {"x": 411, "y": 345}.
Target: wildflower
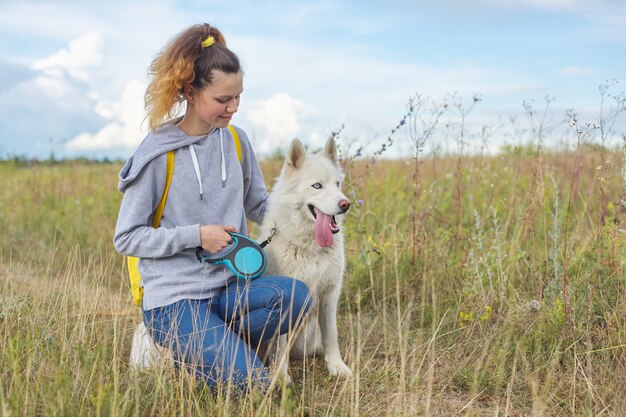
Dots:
{"x": 487, "y": 313}
{"x": 360, "y": 202}
{"x": 466, "y": 318}
{"x": 610, "y": 206}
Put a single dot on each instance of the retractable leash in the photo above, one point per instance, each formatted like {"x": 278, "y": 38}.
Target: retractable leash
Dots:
{"x": 245, "y": 258}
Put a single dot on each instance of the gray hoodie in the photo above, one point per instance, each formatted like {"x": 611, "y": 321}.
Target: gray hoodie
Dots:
{"x": 209, "y": 186}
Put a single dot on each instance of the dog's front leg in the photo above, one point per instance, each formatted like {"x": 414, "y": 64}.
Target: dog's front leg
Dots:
{"x": 330, "y": 338}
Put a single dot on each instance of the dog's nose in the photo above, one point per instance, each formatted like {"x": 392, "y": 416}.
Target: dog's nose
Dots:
{"x": 344, "y": 205}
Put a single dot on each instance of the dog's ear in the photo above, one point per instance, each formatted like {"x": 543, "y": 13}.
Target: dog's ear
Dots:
{"x": 330, "y": 150}
{"x": 296, "y": 155}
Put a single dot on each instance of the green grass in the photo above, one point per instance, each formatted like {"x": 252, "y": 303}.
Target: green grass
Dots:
{"x": 465, "y": 316}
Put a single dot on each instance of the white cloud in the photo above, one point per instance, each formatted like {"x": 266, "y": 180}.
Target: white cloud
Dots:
{"x": 82, "y": 53}
{"x": 53, "y": 84}
{"x": 64, "y": 73}
{"x": 125, "y": 128}
{"x": 275, "y": 121}
{"x": 68, "y": 78}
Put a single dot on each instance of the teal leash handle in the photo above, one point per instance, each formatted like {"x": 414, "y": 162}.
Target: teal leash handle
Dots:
{"x": 246, "y": 258}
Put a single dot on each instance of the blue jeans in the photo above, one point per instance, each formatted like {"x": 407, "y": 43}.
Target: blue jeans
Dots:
{"x": 217, "y": 338}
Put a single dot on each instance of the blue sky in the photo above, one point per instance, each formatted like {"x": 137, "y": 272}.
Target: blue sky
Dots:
{"x": 73, "y": 73}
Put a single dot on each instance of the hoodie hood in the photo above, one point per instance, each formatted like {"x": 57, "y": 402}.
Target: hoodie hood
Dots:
{"x": 167, "y": 137}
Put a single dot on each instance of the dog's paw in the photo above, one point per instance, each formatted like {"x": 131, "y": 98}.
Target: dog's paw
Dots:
{"x": 286, "y": 378}
{"x": 281, "y": 373}
{"x": 336, "y": 367}
{"x": 283, "y": 377}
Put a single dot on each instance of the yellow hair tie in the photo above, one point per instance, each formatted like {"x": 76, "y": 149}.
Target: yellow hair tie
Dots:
{"x": 210, "y": 40}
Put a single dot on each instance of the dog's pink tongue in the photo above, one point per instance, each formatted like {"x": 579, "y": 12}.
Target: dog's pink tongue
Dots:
{"x": 323, "y": 234}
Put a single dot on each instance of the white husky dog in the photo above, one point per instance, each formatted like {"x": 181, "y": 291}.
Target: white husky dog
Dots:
{"x": 305, "y": 210}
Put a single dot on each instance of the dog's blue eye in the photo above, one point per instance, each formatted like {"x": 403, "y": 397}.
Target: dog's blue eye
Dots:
{"x": 317, "y": 186}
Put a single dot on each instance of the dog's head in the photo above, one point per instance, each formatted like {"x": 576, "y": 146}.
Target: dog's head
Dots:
{"x": 314, "y": 183}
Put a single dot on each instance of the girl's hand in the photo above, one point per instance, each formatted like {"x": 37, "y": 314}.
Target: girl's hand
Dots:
{"x": 215, "y": 238}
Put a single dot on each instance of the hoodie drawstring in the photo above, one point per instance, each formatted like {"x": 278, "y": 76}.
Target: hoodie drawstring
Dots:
{"x": 223, "y": 159}
{"x": 196, "y": 166}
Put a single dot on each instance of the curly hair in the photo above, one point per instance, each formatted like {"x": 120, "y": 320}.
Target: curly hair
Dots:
{"x": 184, "y": 61}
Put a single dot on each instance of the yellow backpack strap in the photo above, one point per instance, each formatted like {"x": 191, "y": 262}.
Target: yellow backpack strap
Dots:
{"x": 132, "y": 261}
{"x": 168, "y": 180}
{"x": 236, "y": 140}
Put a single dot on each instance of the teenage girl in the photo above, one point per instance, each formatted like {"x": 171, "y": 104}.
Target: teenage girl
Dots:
{"x": 212, "y": 322}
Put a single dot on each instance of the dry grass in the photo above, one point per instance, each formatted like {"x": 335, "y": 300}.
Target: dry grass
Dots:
{"x": 453, "y": 332}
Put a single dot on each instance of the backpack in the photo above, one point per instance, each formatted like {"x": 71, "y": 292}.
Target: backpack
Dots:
{"x": 136, "y": 289}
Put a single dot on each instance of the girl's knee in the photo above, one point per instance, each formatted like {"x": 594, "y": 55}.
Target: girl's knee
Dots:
{"x": 295, "y": 294}
{"x": 290, "y": 292}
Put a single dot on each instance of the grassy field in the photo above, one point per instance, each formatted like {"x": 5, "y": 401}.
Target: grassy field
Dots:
{"x": 479, "y": 286}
